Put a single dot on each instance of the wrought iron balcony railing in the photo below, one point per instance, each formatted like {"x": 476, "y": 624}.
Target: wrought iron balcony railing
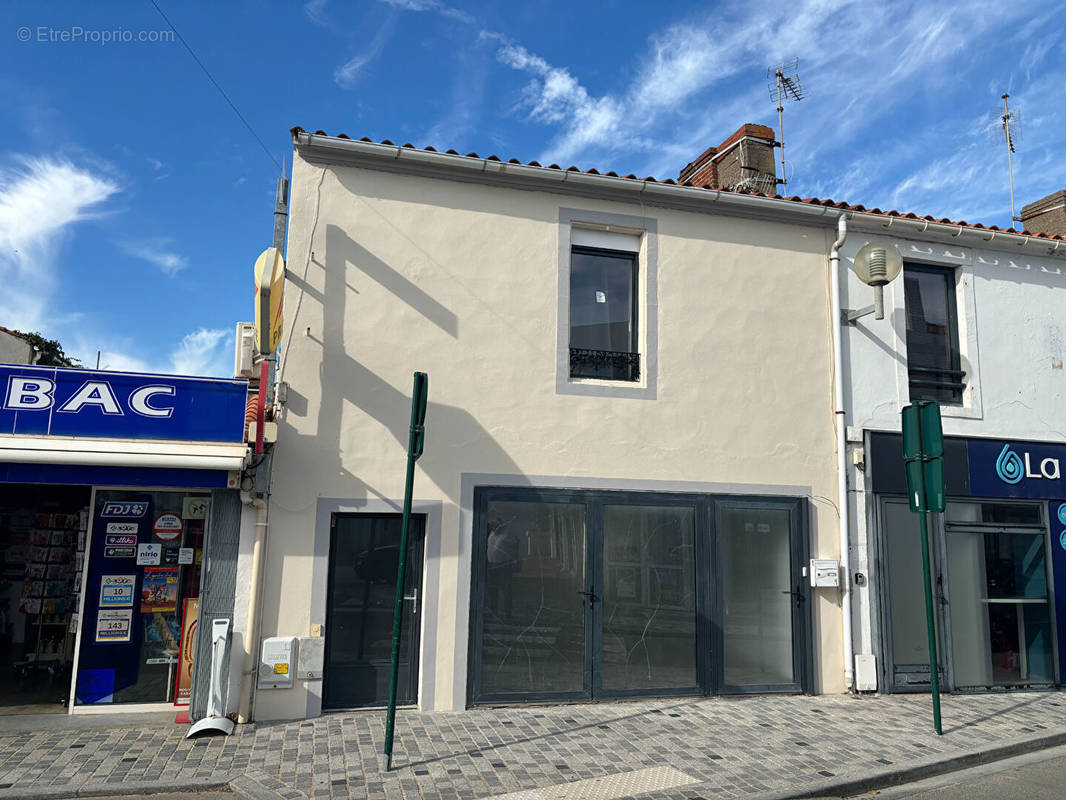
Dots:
{"x": 935, "y": 383}
{"x": 604, "y": 364}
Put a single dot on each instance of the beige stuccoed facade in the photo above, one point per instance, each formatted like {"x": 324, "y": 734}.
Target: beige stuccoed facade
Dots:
{"x": 439, "y": 268}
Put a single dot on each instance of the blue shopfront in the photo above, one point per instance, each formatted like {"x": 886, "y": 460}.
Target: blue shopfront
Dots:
{"x": 119, "y": 524}
{"x": 999, "y": 567}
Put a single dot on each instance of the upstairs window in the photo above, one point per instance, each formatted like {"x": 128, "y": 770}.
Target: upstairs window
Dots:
{"x": 603, "y": 314}
{"x": 933, "y": 359}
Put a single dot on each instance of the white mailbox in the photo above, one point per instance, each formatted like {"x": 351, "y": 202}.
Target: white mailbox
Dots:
{"x": 277, "y": 662}
{"x": 824, "y": 572}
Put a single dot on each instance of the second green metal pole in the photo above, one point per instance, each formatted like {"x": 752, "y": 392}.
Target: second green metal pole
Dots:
{"x": 934, "y": 669}
{"x": 415, "y": 443}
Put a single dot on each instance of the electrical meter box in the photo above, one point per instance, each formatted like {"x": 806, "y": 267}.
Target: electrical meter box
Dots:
{"x": 824, "y": 572}
{"x": 312, "y": 658}
{"x": 277, "y": 662}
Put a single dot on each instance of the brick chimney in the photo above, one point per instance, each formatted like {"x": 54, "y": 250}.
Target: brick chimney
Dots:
{"x": 745, "y": 160}
{"x": 1047, "y": 215}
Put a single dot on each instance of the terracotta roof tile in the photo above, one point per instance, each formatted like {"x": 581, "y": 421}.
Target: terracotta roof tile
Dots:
{"x": 672, "y": 182}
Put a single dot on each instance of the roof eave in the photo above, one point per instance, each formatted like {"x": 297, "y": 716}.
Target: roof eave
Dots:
{"x": 410, "y": 160}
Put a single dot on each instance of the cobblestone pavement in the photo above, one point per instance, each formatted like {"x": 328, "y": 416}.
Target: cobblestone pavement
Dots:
{"x": 728, "y": 747}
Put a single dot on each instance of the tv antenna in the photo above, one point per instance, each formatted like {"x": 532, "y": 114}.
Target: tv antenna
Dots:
{"x": 784, "y": 84}
{"x": 1007, "y": 128}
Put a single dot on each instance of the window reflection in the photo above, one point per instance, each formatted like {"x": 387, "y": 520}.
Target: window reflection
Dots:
{"x": 756, "y": 597}
{"x": 649, "y": 619}
{"x": 533, "y": 638}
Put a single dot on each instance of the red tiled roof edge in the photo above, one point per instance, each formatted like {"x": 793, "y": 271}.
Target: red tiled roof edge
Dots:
{"x": 295, "y": 131}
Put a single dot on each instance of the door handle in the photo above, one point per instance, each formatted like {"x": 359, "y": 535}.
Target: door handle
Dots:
{"x": 414, "y": 600}
{"x": 798, "y": 595}
{"x": 591, "y": 597}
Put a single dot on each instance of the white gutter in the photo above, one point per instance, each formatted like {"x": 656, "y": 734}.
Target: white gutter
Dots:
{"x": 841, "y": 448}
{"x": 669, "y": 194}
{"x": 120, "y": 453}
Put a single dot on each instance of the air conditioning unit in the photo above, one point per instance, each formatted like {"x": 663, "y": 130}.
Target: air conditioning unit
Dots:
{"x": 244, "y": 357}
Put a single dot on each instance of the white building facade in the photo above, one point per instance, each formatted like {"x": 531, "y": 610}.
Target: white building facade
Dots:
{"x": 630, "y": 455}
{"x": 974, "y": 322}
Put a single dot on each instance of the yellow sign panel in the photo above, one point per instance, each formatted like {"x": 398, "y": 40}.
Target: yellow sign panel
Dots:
{"x": 269, "y": 288}
{"x": 281, "y": 669}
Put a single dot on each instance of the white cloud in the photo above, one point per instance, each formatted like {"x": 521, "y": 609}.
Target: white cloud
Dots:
{"x": 155, "y": 251}
{"x": 348, "y": 74}
{"x": 316, "y": 12}
{"x": 204, "y": 351}
{"x": 556, "y": 96}
{"x": 41, "y": 199}
{"x": 870, "y": 70}
{"x": 432, "y": 5}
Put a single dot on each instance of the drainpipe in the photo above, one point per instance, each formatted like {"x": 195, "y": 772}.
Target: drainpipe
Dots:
{"x": 251, "y": 635}
{"x": 841, "y": 445}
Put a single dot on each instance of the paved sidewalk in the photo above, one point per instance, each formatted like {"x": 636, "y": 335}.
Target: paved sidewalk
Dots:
{"x": 701, "y": 748}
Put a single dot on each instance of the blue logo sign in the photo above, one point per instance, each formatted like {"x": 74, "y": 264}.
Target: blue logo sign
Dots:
{"x": 1009, "y": 466}
{"x": 1062, "y": 513}
{"x": 1001, "y": 468}
{"x": 1062, "y": 540}
{"x": 52, "y": 401}
{"x": 115, "y": 509}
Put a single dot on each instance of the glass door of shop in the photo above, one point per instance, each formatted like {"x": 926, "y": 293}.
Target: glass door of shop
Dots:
{"x": 764, "y": 596}
{"x": 586, "y": 595}
{"x": 991, "y": 596}
{"x": 1001, "y": 623}
{"x": 364, "y": 557}
{"x": 906, "y": 641}
{"x": 42, "y": 550}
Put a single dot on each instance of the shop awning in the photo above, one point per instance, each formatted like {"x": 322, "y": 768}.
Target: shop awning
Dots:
{"x": 121, "y": 453}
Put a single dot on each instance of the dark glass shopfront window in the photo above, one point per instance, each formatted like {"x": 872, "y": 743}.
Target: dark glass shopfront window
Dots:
{"x": 585, "y": 595}
{"x": 649, "y": 598}
{"x": 141, "y": 597}
{"x": 534, "y": 618}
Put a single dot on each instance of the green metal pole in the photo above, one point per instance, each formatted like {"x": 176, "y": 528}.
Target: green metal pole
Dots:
{"x": 415, "y": 443}
{"x": 934, "y": 671}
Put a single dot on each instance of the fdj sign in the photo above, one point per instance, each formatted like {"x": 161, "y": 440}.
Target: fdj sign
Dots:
{"x": 1013, "y": 469}
{"x": 51, "y": 401}
{"x": 117, "y": 509}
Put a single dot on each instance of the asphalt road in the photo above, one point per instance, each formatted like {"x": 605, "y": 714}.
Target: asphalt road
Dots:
{"x": 1035, "y": 776}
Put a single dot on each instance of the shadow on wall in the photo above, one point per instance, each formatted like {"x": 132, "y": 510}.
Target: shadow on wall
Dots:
{"x": 342, "y": 249}
{"x": 455, "y": 440}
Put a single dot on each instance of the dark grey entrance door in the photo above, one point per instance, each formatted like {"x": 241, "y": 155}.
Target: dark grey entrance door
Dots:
{"x": 360, "y": 602}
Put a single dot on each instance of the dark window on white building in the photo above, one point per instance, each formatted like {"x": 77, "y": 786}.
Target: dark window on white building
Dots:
{"x": 603, "y": 315}
{"x": 933, "y": 359}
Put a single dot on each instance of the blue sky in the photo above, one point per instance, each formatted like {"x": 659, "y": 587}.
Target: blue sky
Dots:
{"x": 133, "y": 202}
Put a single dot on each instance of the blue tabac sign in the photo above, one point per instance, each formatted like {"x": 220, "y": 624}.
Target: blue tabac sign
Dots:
{"x": 1016, "y": 469}
{"x": 54, "y": 401}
